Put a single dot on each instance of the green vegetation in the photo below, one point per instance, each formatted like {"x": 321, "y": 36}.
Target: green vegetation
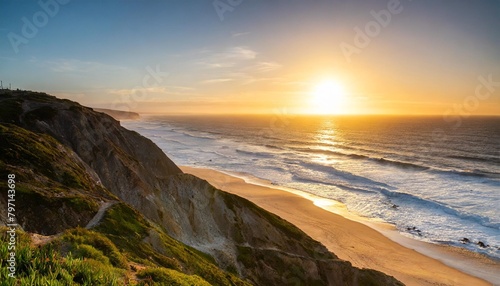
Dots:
{"x": 87, "y": 257}
{"x": 46, "y": 265}
{"x": 162, "y": 276}
{"x": 90, "y": 244}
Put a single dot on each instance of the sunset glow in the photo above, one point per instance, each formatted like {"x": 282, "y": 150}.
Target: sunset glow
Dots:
{"x": 328, "y": 97}
{"x": 255, "y": 57}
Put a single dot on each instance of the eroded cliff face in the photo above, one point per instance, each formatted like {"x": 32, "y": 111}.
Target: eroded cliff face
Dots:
{"x": 241, "y": 236}
{"x": 263, "y": 247}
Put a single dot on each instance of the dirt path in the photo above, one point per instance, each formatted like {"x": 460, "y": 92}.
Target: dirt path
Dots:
{"x": 98, "y": 216}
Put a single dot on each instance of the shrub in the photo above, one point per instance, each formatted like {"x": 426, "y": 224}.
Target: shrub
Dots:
{"x": 46, "y": 266}
{"x": 79, "y": 236}
{"x": 164, "y": 276}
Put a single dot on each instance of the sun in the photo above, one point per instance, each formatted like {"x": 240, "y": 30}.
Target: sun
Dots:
{"x": 328, "y": 97}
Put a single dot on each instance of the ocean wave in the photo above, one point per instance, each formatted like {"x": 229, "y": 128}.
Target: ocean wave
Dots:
{"x": 331, "y": 171}
{"x": 163, "y": 139}
{"x": 383, "y": 161}
{"x": 273, "y": 147}
{"x": 338, "y": 184}
{"x": 475, "y": 158}
{"x": 257, "y": 154}
{"x": 466, "y": 173}
{"x": 401, "y": 164}
{"x": 193, "y": 135}
{"x": 430, "y": 204}
{"x": 330, "y": 152}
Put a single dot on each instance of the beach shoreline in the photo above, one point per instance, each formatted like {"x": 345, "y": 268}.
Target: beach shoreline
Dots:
{"x": 363, "y": 242}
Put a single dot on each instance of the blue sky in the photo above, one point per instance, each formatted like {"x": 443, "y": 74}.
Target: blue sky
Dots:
{"x": 261, "y": 55}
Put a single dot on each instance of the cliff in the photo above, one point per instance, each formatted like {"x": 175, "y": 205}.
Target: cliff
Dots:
{"x": 118, "y": 114}
{"x": 77, "y": 167}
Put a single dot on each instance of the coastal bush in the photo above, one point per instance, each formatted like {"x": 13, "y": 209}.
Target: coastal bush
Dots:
{"x": 88, "y": 251}
{"x": 91, "y": 244}
{"x": 162, "y": 276}
{"x": 45, "y": 265}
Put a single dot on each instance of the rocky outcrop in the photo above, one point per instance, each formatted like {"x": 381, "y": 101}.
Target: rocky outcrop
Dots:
{"x": 118, "y": 114}
{"x": 243, "y": 238}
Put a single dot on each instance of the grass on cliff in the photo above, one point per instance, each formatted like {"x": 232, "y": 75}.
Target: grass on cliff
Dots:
{"x": 163, "y": 276}
{"x": 147, "y": 244}
{"x": 46, "y": 265}
{"x": 85, "y": 257}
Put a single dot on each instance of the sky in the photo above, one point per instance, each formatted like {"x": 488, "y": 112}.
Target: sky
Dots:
{"x": 256, "y": 56}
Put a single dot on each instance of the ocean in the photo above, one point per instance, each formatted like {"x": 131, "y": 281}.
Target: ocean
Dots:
{"x": 436, "y": 180}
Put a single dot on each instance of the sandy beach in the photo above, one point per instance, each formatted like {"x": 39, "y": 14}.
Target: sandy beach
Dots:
{"x": 360, "y": 244}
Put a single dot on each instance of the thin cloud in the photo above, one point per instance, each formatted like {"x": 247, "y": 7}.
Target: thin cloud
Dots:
{"x": 243, "y": 53}
{"x": 228, "y": 58}
{"x": 157, "y": 93}
{"x": 74, "y": 65}
{"x": 216, "y": 80}
{"x": 235, "y": 35}
{"x": 266, "y": 67}
{"x": 129, "y": 91}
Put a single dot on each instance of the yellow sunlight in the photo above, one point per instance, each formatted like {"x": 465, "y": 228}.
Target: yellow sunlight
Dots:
{"x": 327, "y": 97}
